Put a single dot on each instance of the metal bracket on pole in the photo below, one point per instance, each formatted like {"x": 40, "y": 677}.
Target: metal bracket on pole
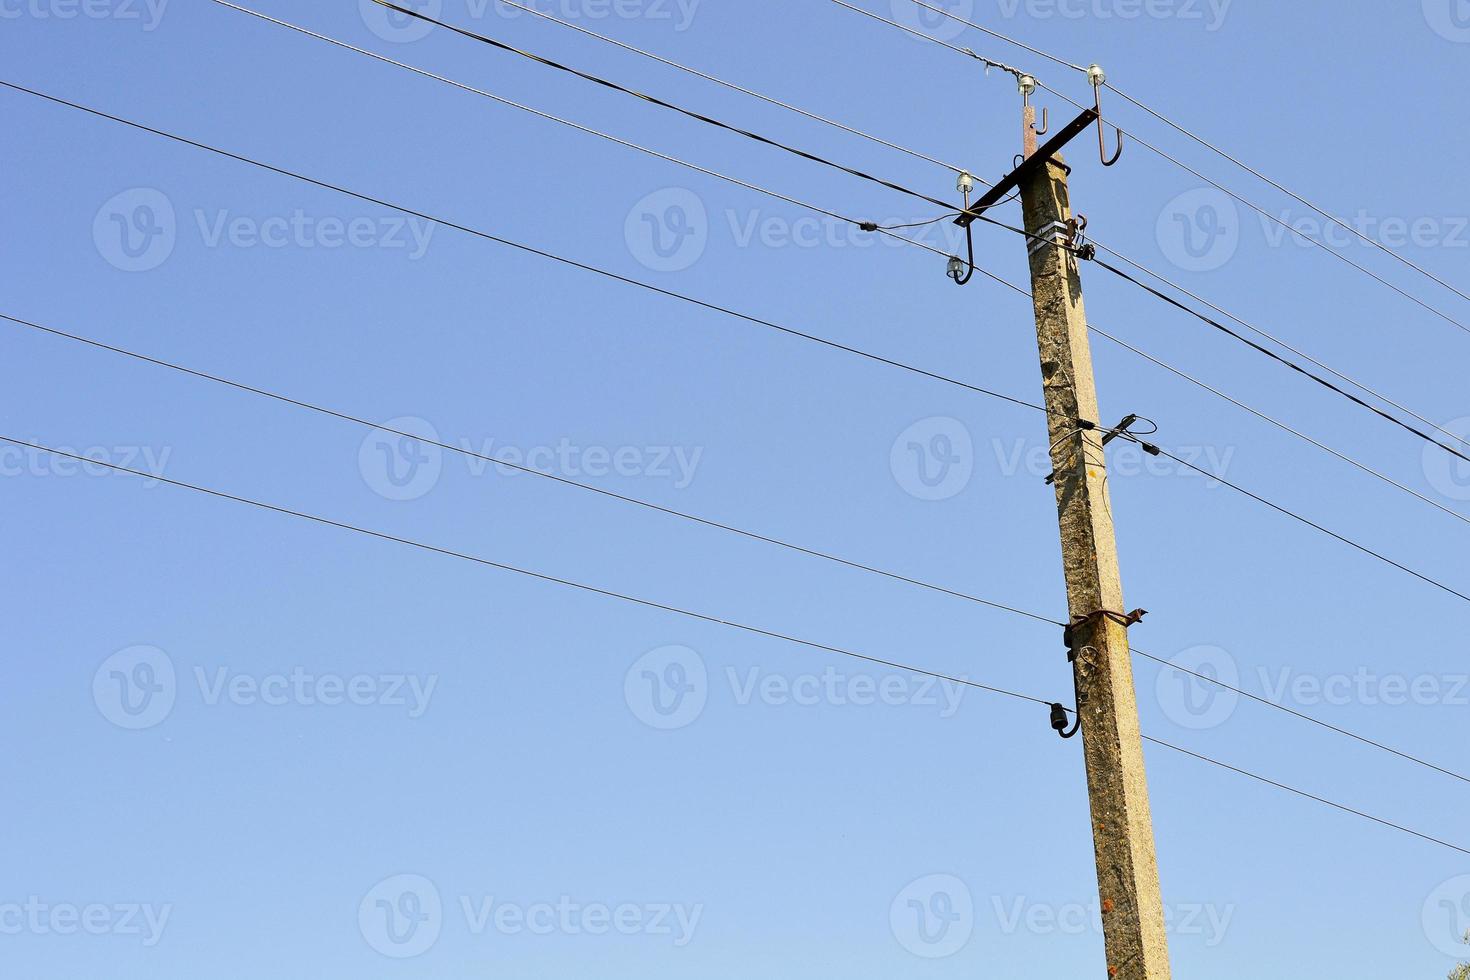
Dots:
{"x": 1028, "y": 166}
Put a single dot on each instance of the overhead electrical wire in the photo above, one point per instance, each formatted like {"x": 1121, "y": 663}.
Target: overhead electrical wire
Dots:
{"x": 634, "y": 282}
{"x": 1260, "y": 348}
{"x": 1234, "y": 195}
{"x": 997, "y": 35}
{"x": 987, "y": 62}
{"x": 735, "y": 88}
{"x": 1278, "y": 423}
{"x": 754, "y": 535}
{"x": 1219, "y": 478}
{"x": 652, "y": 100}
{"x": 1398, "y": 406}
{"x": 530, "y": 249}
{"x": 1276, "y": 219}
{"x": 1215, "y": 681}
{"x": 665, "y": 607}
{"x": 1289, "y": 193}
{"x": 1329, "y": 216}
{"x": 372, "y": 200}
{"x": 519, "y": 467}
{"x": 869, "y": 226}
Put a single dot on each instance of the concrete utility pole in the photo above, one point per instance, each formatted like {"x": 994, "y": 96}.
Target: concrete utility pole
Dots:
{"x": 1122, "y": 828}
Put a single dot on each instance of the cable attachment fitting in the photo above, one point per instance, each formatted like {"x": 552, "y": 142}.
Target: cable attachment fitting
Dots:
{"x": 868, "y": 225}
{"x": 1125, "y": 620}
{"x": 1119, "y": 431}
{"x": 1076, "y": 237}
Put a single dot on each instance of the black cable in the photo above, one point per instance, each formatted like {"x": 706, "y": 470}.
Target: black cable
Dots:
{"x": 1305, "y": 794}
{"x": 1313, "y": 524}
{"x": 652, "y": 604}
{"x": 602, "y": 272}
{"x": 541, "y": 576}
{"x": 804, "y": 154}
{"x": 532, "y": 250}
{"x": 1298, "y": 714}
{"x": 1282, "y": 360}
{"x": 334, "y": 413}
{"x": 345, "y": 417}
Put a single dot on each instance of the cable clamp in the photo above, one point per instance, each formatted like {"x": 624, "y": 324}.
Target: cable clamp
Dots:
{"x": 1121, "y": 430}
{"x": 1124, "y": 620}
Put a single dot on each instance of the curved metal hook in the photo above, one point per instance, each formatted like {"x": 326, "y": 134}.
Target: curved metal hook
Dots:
{"x": 1095, "y": 74}
{"x": 970, "y": 244}
{"x": 1045, "y": 123}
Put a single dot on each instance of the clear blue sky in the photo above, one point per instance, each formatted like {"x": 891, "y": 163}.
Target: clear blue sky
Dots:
{"x": 232, "y": 733}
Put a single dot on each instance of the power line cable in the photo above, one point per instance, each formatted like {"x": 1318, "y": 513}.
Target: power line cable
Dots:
{"x": 1338, "y": 389}
{"x": 426, "y": 217}
{"x": 534, "y": 471}
{"x": 1334, "y": 219}
{"x": 542, "y": 253}
{"x": 1278, "y": 423}
{"x": 996, "y": 34}
{"x": 1289, "y": 193}
{"x": 1304, "y": 794}
{"x": 1183, "y": 166}
{"x": 1276, "y": 219}
{"x": 1313, "y": 524}
{"x": 676, "y": 610}
{"x": 1242, "y": 405}
{"x": 653, "y": 100}
{"x": 736, "y": 88}
{"x": 1297, "y": 714}
{"x": 1213, "y": 148}
{"x": 754, "y": 535}
{"x": 1279, "y": 342}
{"x": 987, "y": 62}
{"x": 868, "y": 226}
